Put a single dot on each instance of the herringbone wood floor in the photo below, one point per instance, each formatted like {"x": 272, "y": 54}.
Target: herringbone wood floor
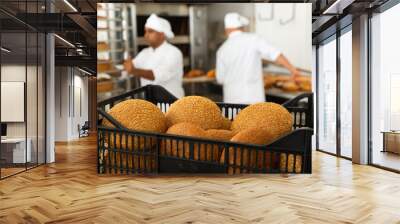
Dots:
{"x": 70, "y": 191}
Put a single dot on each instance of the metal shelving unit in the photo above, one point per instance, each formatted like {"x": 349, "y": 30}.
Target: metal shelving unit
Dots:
{"x": 116, "y": 27}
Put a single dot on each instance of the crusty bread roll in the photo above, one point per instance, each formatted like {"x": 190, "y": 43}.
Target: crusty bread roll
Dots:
{"x": 134, "y": 114}
{"x": 181, "y": 149}
{"x": 197, "y": 110}
{"x": 246, "y": 157}
{"x": 272, "y": 116}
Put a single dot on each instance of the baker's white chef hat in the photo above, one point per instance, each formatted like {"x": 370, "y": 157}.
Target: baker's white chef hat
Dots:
{"x": 160, "y": 25}
{"x": 235, "y": 20}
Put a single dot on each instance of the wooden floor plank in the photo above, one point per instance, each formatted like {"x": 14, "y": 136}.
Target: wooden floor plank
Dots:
{"x": 70, "y": 191}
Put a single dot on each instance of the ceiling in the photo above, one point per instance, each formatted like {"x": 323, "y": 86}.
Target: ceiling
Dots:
{"x": 72, "y": 20}
{"x": 331, "y": 15}
{"x": 19, "y": 54}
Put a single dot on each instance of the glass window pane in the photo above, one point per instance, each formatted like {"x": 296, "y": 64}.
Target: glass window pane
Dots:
{"x": 327, "y": 97}
{"x": 346, "y": 94}
{"x": 385, "y": 88}
{"x": 14, "y": 150}
{"x": 22, "y": 83}
{"x": 31, "y": 100}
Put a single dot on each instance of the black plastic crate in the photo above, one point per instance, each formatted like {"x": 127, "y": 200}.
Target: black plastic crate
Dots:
{"x": 125, "y": 151}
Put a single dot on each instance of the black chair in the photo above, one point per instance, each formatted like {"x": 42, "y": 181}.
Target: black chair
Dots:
{"x": 84, "y": 130}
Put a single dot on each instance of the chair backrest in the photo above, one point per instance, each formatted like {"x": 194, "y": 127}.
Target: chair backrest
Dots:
{"x": 86, "y": 125}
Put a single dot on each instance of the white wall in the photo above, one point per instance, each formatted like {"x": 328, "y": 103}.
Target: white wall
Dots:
{"x": 61, "y": 103}
{"x": 71, "y": 93}
{"x": 17, "y": 73}
{"x": 80, "y": 103}
{"x": 14, "y": 73}
{"x": 294, "y": 38}
{"x": 34, "y": 125}
{"x": 216, "y": 13}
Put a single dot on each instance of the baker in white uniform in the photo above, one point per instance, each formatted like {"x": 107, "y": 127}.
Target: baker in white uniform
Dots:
{"x": 239, "y": 62}
{"x": 161, "y": 63}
